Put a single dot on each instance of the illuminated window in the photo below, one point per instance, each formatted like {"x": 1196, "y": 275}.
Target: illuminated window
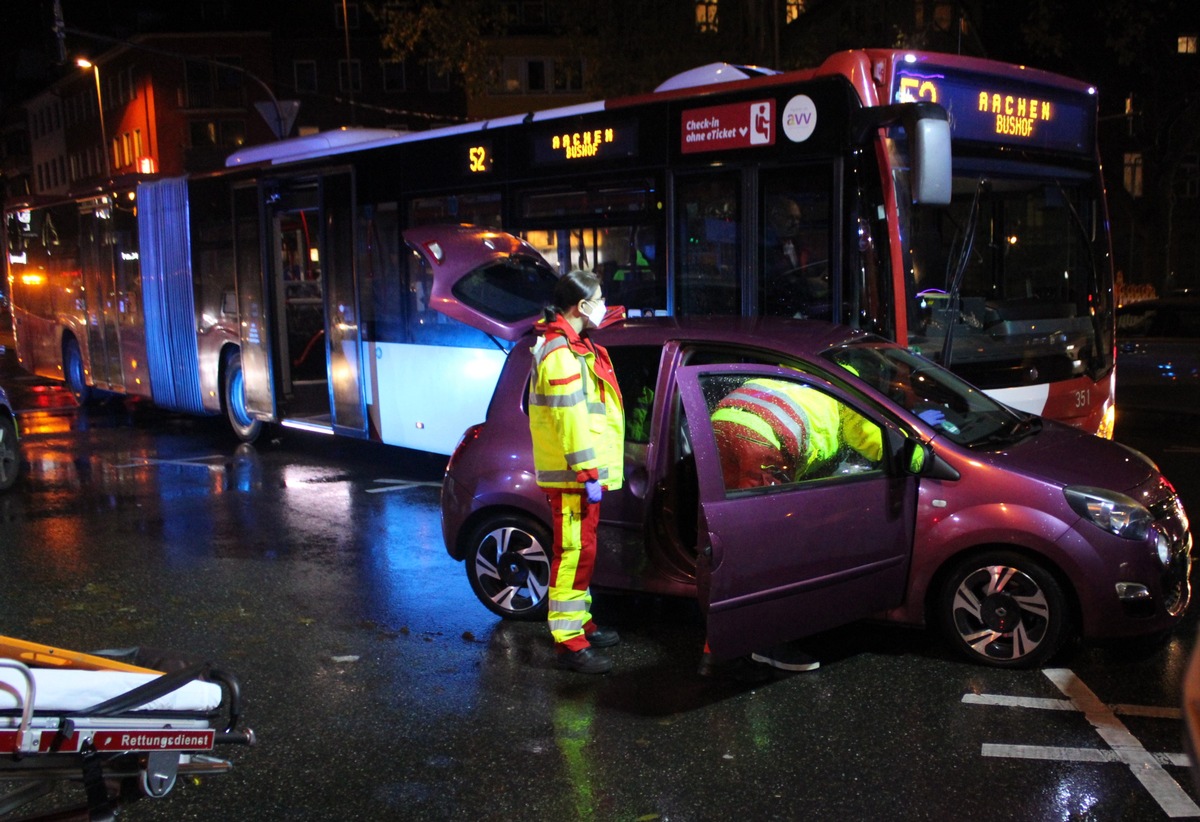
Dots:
{"x": 706, "y": 16}
{"x": 1186, "y": 44}
{"x": 792, "y": 9}
{"x": 1133, "y": 173}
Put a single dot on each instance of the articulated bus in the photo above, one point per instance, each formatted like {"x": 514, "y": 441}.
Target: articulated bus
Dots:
{"x": 950, "y": 203}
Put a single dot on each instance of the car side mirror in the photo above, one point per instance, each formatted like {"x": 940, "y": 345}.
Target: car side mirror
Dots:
{"x": 919, "y": 459}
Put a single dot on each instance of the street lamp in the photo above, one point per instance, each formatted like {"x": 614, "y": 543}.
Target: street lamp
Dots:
{"x": 84, "y": 63}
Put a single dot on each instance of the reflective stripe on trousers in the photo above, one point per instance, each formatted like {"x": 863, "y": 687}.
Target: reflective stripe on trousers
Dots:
{"x": 574, "y": 522}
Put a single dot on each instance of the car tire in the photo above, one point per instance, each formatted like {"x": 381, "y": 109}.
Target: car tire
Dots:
{"x": 10, "y": 454}
{"x": 1004, "y": 609}
{"x": 508, "y": 564}
{"x": 73, "y": 372}
{"x": 244, "y": 426}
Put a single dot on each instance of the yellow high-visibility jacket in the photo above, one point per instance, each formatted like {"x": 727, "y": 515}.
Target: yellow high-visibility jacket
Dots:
{"x": 805, "y": 425}
{"x": 576, "y": 417}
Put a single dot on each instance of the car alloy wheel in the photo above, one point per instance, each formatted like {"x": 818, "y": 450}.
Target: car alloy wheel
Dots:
{"x": 508, "y": 565}
{"x": 1004, "y": 609}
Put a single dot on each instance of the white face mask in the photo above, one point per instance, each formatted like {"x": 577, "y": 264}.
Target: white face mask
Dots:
{"x": 596, "y": 315}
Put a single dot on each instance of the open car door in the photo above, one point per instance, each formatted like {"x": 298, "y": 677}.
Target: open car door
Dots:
{"x": 801, "y": 546}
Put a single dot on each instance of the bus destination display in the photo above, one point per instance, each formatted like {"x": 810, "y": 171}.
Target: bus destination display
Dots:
{"x": 995, "y": 109}
{"x": 576, "y": 145}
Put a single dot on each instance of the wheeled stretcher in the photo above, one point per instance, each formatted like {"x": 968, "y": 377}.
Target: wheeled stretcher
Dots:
{"x": 123, "y": 723}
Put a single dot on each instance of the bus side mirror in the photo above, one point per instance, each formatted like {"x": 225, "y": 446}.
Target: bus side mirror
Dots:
{"x": 927, "y": 132}
{"x": 930, "y": 151}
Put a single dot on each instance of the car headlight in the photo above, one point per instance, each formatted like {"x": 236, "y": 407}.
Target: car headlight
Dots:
{"x": 1114, "y": 512}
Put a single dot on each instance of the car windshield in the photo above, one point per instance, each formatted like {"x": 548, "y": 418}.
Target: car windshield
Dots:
{"x": 955, "y": 408}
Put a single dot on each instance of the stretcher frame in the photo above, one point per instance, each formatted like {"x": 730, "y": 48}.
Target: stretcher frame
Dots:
{"x": 117, "y": 748}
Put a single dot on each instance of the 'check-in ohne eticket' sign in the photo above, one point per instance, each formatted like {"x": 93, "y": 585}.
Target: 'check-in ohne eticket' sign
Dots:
{"x": 736, "y": 125}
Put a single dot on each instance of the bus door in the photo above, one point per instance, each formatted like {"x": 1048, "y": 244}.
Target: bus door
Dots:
{"x": 100, "y": 294}
{"x": 255, "y": 321}
{"x": 317, "y": 334}
{"x": 346, "y": 391}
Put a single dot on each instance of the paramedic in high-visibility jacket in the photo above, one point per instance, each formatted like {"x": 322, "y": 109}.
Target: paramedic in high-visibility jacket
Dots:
{"x": 776, "y": 431}
{"x": 577, "y": 423}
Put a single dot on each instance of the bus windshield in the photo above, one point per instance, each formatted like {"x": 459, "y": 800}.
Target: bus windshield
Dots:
{"x": 1004, "y": 284}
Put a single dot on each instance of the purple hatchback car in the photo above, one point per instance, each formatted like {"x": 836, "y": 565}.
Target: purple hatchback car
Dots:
{"x": 1007, "y": 531}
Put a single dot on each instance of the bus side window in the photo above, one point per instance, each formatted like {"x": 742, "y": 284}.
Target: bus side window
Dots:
{"x": 794, "y": 279}
{"x": 383, "y": 297}
{"x": 710, "y": 233}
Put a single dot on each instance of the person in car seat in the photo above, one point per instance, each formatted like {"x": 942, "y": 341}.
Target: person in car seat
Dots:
{"x": 577, "y": 422}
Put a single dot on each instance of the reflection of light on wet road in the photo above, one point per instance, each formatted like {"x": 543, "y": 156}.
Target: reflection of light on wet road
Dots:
{"x": 1122, "y": 747}
{"x": 43, "y": 422}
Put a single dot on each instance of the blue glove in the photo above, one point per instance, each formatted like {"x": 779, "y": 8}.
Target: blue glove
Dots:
{"x": 933, "y": 416}
{"x": 593, "y": 491}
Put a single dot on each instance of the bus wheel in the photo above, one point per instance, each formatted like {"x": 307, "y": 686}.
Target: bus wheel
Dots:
{"x": 10, "y": 454}
{"x": 508, "y": 565}
{"x": 244, "y": 426}
{"x": 1004, "y": 609}
{"x": 73, "y": 372}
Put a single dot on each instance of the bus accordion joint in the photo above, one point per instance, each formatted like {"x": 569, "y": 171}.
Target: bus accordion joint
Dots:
{"x": 927, "y": 128}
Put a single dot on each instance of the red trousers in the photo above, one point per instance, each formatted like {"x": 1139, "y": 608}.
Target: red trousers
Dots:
{"x": 574, "y": 521}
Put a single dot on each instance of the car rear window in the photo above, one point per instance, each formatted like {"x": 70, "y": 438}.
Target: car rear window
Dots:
{"x": 509, "y": 290}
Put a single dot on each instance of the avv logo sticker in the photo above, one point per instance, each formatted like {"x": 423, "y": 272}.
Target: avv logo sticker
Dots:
{"x": 799, "y": 118}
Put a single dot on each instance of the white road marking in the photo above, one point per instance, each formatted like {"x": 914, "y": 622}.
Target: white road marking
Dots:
{"x": 1123, "y": 746}
{"x": 201, "y": 462}
{"x": 1150, "y": 711}
{"x": 401, "y": 485}
{"x": 1064, "y": 754}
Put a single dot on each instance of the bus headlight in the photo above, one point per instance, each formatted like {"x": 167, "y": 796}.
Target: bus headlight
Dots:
{"x": 1111, "y": 511}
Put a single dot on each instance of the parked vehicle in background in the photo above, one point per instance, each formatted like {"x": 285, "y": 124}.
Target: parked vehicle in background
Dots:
{"x": 1158, "y": 355}
{"x": 1008, "y": 531}
{"x": 10, "y": 446}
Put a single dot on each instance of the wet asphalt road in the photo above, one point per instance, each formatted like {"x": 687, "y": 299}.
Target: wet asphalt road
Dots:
{"x": 380, "y": 689}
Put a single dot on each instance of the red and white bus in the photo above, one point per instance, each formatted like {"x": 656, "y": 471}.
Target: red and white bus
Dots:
{"x": 952, "y": 203}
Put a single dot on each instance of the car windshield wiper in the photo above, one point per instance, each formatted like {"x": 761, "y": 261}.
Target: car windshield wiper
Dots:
{"x": 1019, "y": 428}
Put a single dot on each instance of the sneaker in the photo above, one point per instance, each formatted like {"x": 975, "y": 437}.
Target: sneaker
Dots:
{"x": 587, "y": 661}
{"x": 603, "y": 638}
{"x": 786, "y": 658}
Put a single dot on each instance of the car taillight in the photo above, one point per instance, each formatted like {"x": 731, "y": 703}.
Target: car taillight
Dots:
{"x": 469, "y": 436}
